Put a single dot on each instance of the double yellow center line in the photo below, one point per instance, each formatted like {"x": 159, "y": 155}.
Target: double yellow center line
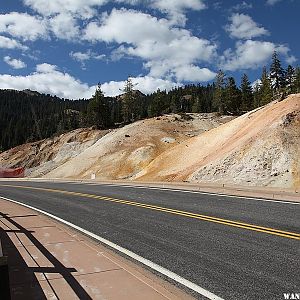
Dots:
{"x": 286, "y": 234}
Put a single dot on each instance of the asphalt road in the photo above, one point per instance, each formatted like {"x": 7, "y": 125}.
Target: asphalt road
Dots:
{"x": 197, "y": 236}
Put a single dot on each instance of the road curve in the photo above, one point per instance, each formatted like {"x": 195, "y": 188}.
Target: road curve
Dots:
{"x": 236, "y": 248}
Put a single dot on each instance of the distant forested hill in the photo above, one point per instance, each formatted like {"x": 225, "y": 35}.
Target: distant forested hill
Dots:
{"x": 29, "y": 116}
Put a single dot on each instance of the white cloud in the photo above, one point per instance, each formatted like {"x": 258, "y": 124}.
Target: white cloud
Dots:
{"x": 175, "y": 9}
{"x": 86, "y": 9}
{"x": 49, "y": 79}
{"x": 46, "y": 68}
{"x": 178, "y": 5}
{"x": 169, "y": 5}
{"x": 243, "y": 5}
{"x": 129, "y": 26}
{"x": 194, "y": 73}
{"x": 272, "y": 2}
{"x": 84, "y": 56}
{"x": 80, "y": 56}
{"x": 8, "y": 43}
{"x": 81, "y": 8}
{"x": 162, "y": 46}
{"x": 24, "y": 26}
{"x": 146, "y": 84}
{"x": 14, "y": 63}
{"x": 64, "y": 26}
{"x": 251, "y": 54}
{"x": 243, "y": 27}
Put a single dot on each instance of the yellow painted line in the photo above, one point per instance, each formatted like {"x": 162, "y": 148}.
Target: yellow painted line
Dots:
{"x": 277, "y": 232}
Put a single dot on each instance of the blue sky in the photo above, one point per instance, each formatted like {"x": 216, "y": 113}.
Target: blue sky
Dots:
{"x": 67, "y": 47}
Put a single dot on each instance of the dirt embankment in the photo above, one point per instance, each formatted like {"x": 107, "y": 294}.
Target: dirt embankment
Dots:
{"x": 261, "y": 148}
{"x": 111, "y": 154}
{"x": 41, "y": 157}
{"x": 124, "y": 152}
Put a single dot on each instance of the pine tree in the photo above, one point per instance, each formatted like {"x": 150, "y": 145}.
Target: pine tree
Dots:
{"x": 175, "y": 103}
{"x": 157, "y": 104}
{"x": 98, "y": 110}
{"x": 129, "y": 102}
{"x": 296, "y": 83}
{"x": 276, "y": 74}
{"x": 218, "y": 101}
{"x": 265, "y": 88}
{"x": 289, "y": 78}
{"x": 232, "y": 97}
{"x": 247, "y": 94}
{"x": 257, "y": 95}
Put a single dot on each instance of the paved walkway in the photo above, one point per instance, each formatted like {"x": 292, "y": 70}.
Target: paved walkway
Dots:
{"x": 48, "y": 260}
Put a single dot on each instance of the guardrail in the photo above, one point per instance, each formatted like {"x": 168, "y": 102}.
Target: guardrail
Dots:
{"x": 4, "y": 276}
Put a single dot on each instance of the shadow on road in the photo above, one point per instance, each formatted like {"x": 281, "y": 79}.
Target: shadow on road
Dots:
{"x": 27, "y": 275}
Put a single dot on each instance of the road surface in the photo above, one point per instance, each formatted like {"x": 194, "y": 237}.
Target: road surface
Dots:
{"x": 233, "y": 247}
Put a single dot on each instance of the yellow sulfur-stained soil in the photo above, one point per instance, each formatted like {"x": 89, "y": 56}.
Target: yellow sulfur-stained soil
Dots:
{"x": 260, "y": 148}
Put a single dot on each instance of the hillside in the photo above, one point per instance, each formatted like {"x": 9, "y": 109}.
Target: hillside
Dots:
{"x": 43, "y": 156}
{"x": 110, "y": 154}
{"x": 28, "y": 116}
{"x": 261, "y": 148}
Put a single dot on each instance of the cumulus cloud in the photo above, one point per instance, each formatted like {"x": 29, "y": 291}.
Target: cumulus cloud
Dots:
{"x": 49, "y": 79}
{"x": 146, "y": 84}
{"x": 23, "y": 25}
{"x": 81, "y": 8}
{"x": 64, "y": 26}
{"x": 251, "y": 54}
{"x": 194, "y": 73}
{"x": 169, "y": 52}
{"x": 243, "y": 27}
{"x": 178, "y": 5}
{"x": 86, "y": 9}
{"x": 46, "y": 68}
{"x": 162, "y": 46}
{"x": 175, "y": 9}
{"x": 14, "y": 63}
{"x": 8, "y": 43}
{"x": 169, "y": 5}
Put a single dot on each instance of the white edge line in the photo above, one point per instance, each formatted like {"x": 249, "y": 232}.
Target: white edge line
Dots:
{"x": 129, "y": 253}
